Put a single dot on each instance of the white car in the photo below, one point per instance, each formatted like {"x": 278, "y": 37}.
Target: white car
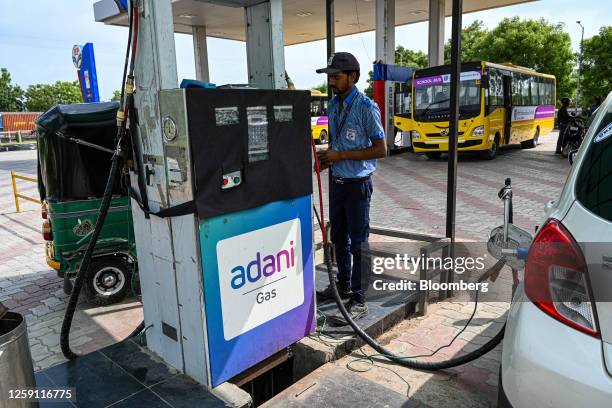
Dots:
{"x": 557, "y": 349}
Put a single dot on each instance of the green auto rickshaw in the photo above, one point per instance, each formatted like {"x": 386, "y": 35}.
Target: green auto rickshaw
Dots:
{"x": 75, "y": 145}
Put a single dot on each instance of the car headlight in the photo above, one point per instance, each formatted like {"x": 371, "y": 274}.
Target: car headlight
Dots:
{"x": 478, "y": 131}
{"x": 416, "y": 135}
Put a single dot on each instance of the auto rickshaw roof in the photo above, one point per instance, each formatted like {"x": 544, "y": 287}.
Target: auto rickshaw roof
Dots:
{"x": 80, "y": 114}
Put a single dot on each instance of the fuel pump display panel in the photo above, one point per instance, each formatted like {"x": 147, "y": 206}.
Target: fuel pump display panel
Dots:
{"x": 263, "y": 135}
{"x": 259, "y": 283}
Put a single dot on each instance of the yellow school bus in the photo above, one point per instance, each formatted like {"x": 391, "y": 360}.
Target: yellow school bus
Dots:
{"x": 500, "y": 104}
{"x": 318, "y": 116}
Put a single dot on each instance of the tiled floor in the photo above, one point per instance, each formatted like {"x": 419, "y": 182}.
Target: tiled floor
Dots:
{"x": 124, "y": 375}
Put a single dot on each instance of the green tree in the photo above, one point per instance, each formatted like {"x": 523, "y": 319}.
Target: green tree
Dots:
{"x": 321, "y": 88}
{"x": 403, "y": 58}
{"x": 11, "y": 96}
{"x": 408, "y": 58}
{"x": 597, "y": 66}
{"x": 535, "y": 44}
{"x": 472, "y": 38}
{"x": 41, "y": 97}
{"x": 116, "y": 96}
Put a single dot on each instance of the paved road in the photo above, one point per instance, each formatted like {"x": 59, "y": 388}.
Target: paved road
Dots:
{"x": 410, "y": 194}
{"x": 23, "y": 162}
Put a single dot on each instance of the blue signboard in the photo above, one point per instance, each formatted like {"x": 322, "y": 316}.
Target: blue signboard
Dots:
{"x": 386, "y": 72}
{"x": 258, "y": 283}
{"x": 88, "y": 77}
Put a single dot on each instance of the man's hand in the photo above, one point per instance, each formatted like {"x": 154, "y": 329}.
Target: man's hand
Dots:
{"x": 321, "y": 167}
{"x": 329, "y": 157}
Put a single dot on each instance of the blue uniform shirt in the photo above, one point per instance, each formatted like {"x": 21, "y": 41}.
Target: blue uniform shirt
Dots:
{"x": 354, "y": 128}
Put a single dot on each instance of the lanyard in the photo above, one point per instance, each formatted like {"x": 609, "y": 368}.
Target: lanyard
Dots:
{"x": 346, "y": 112}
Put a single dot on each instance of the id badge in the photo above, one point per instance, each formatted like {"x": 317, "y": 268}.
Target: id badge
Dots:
{"x": 351, "y": 134}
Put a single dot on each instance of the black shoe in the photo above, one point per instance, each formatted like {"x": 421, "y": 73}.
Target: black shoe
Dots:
{"x": 558, "y": 152}
{"x": 328, "y": 293}
{"x": 356, "y": 309}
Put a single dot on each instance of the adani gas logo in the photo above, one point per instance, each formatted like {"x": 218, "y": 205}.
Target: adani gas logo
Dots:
{"x": 260, "y": 276}
{"x": 263, "y": 267}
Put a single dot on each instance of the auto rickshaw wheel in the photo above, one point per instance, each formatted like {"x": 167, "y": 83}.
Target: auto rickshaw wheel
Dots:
{"x": 108, "y": 280}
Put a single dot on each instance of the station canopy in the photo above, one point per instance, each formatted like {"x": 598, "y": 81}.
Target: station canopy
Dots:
{"x": 304, "y": 20}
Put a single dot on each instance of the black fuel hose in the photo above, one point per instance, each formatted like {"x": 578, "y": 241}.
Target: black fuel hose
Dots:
{"x": 80, "y": 277}
{"x": 108, "y": 194}
{"x": 398, "y": 359}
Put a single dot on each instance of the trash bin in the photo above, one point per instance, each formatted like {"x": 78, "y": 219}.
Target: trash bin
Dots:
{"x": 16, "y": 369}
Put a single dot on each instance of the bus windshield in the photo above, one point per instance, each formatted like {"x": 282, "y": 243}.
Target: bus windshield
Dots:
{"x": 432, "y": 96}
{"x": 318, "y": 106}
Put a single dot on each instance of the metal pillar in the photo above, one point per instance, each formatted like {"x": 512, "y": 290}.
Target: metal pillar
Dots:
{"x": 385, "y": 53}
{"x": 200, "y": 52}
{"x": 451, "y": 193}
{"x": 265, "y": 45}
{"x": 436, "y": 32}
{"x": 330, "y": 25}
{"x": 175, "y": 330}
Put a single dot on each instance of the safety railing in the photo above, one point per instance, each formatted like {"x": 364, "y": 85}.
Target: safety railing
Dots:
{"x": 14, "y": 178}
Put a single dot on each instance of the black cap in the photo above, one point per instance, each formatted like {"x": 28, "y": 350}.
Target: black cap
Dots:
{"x": 340, "y": 61}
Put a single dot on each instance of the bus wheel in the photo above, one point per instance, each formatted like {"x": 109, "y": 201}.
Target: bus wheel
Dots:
{"x": 433, "y": 155}
{"x": 323, "y": 137}
{"x": 530, "y": 144}
{"x": 108, "y": 280}
{"x": 492, "y": 152}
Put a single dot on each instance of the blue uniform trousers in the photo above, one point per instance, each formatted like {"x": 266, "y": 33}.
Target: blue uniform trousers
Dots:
{"x": 349, "y": 208}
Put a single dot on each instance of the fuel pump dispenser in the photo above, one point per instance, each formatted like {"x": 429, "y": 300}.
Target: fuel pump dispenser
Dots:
{"x": 243, "y": 157}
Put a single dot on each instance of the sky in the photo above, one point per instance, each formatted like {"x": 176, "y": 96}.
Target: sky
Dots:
{"x": 37, "y": 49}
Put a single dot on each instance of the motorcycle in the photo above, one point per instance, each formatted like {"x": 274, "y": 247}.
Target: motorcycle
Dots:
{"x": 574, "y": 134}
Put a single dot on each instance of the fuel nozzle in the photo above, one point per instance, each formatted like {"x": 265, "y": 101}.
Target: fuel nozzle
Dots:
{"x": 506, "y": 190}
{"x": 506, "y": 195}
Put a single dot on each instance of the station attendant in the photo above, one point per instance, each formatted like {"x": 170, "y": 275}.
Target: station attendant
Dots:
{"x": 357, "y": 139}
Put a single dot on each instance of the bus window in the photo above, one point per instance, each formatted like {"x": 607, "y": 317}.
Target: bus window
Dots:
{"x": 525, "y": 90}
{"x": 469, "y": 93}
{"x": 496, "y": 88}
{"x": 516, "y": 90}
{"x": 534, "y": 91}
{"x": 548, "y": 92}
{"x": 434, "y": 98}
{"x": 318, "y": 106}
{"x": 542, "y": 90}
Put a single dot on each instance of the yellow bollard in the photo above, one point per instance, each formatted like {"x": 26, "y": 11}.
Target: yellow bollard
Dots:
{"x": 15, "y": 191}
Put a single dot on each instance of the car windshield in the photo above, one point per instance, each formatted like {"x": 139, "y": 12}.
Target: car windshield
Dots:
{"x": 432, "y": 95}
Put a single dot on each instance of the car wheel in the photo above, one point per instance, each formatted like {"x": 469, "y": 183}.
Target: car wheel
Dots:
{"x": 568, "y": 148}
{"x": 107, "y": 280}
{"x": 433, "y": 155}
{"x": 491, "y": 153}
